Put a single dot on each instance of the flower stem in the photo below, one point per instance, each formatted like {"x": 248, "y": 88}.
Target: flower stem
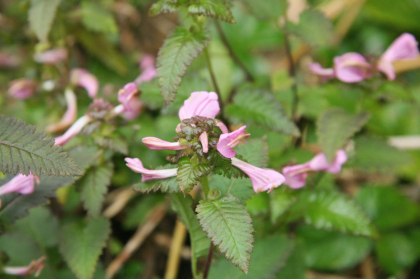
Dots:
{"x": 205, "y": 184}
{"x": 208, "y": 263}
{"x": 232, "y": 54}
{"x": 213, "y": 79}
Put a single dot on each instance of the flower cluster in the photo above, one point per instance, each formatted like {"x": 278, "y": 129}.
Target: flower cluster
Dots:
{"x": 353, "y": 67}
{"x": 206, "y": 142}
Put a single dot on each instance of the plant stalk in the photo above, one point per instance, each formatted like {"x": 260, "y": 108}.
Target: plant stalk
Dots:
{"x": 205, "y": 184}
{"x": 208, "y": 262}
{"x": 213, "y": 79}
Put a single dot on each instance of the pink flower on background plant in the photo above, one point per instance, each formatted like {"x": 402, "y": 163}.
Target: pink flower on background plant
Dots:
{"x": 324, "y": 73}
{"x": 69, "y": 116}
{"x": 262, "y": 179}
{"x": 52, "y": 56}
{"x": 158, "y": 144}
{"x": 229, "y": 141}
{"x": 147, "y": 64}
{"x": 351, "y": 67}
{"x": 35, "y": 267}
{"x": 200, "y": 103}
{"x": 404, "y": 47}
{"x": 128, "y": 97}
{"x": 22, "y": 184}
{"x": 83, "y": 78}
{"x": 296, "y": 175}
{"x": 22, "y": 88}
{"x": 137, "y": 166}
{"x": 73, "y": 130}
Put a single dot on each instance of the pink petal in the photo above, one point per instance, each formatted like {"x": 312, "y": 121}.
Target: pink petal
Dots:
{"x": 228, "y": 141}
{"x": 387, "y": 68}
{"x": 147, "y": 61}
{"x": 22, "y": 88}
{"x": 147, "y": 75}
{"x": 35, "y": 267}
{"x": 137, "y": 166}
{"x": 351, "y": 67}
{"x": 158, "y": 144}
{"x": 325, "y": 73}
{"x": 262, "y": 179}
{"x": 70, "y": 115}
{"x": 128, "y": 97}
{"x": 52, "y": 56}
{"x": 296, "y": 175}
{"x": 200, "y": 103}
{"x": 404, "y": 47}
{"x": 222, "y": 126}
{"x": 204, "y": 139}
{"x": 83, "y": 78}
{"x": 73, "y": 130}
{"x": 320, "y": 162}
{"x": 23, "y": 184}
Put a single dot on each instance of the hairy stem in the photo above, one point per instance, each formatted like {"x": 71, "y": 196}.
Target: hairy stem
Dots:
{"x": 205, "y": 184}
{"x": 208, "y": 262}
{"x": 232, "y": 54}
{"x": 213, "y": 79}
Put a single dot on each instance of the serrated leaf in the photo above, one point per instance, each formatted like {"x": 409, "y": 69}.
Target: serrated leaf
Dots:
{"x": 265, "y": 10}
{"x": 96, "y": 18}
{"x": 268, "y": 257}
{"x": 113, "y": 142}
{"x": 388, "y": 208}
{"x": 254, "y": 151}
{"x": 23, "y": 150}
{"x": 94, "y": 186}
{"x": 177, "y": 52}
{"x": 333, "y": 211}
{"x": 335, "y": 126}
{"x": 189, "y": 173}
{"x": 162, "y": 7}
{"x": 314, "y": 28}
{"x": 213, "y": 8}
{"x": 41, "y": 17}
{"x": 258, "y": 107}
{"x": 374, "y": 154}
{"x": 199, "y": 242}
{"x": 81, "y": 246}
{"x": 169, "y": 185}
{"x": 228, "y": 224}
{"x": 239, "y": 187}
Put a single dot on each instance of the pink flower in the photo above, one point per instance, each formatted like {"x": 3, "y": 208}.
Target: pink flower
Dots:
{"x": 136, "y": 165}
{"x": 23, "y": 184}
{"x": 324, "y": 73}
{"x": 222, "y": 127}
{"x": 200, "y": 103}
{"x": 8, "y": 60}
{"x": 52, "y": 56}
{"x": 158, "y": 144}
{"x": 204, "y": 139}
{"x": 22, "y": 88}
{"x": 229, "y": 141}
{"x": 34, "y": 267}
{"x": 404, "y": 47}
{"x": 320, "y": 162}
{"x": 70, "y": 115}
{"x": 83, "y": 78}
{"x": 351, "y": 67}
{"x": 262, "y": 179}
{"x": 73, "y": 130}
{"x": 296, "y": 175}
{"x": 128, "y": 97}
{"x": 147, "y": 64}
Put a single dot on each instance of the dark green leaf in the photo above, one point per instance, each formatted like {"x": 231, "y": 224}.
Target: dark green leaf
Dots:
{"x": 257, "y": 107}
{"x": 189, "y": 173}
{"x": 178, "y": 51}
{"x": 335, "y": 127}
{"x": 162, "y": 7}
{"x": 81, "y": 246}
{"x": 23, "y": 150}
{"x": 214, "y": 8}
{"x": 94, "y": 186}
{"x": 228, "y": 224}
{"x": 113, "y": 142}
{"x": 265, "y": 10}
{"x": 268, "y": 257}
{"x": 281, "y": 200}
{"x": 96, "y": 18}
{"x": 295, "y": 265}
{"x": 41, "y": 17}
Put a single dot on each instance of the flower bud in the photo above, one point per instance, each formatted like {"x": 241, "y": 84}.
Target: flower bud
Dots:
{"x": 22, "y": 88}
{"x": 83, "y": 78}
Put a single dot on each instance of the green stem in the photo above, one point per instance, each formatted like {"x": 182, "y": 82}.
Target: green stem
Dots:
{"x": 205, "y": 184}
{"x": 213, "y": 79}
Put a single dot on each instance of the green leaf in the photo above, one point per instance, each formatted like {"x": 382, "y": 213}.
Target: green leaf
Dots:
{"x": 41, "y": 17}
{"x": 96, "y": 18}
{"x": 395, "y": 252}
{"x": 265, "y": 10}
{"x": 23, "y": 150}
{"x": 333, "y": 211}
{"x": 189, "y": 173}
{"x": 281, "y": 201}
{"x": 258, "y": 107}
{"x": 94, "y": 186}
{"x": 295, "y": 265}
{"x": 199, "y": 242}
{"x": 228, "y": 224}
{"x": 254, "y": 151}
{"x": 137, "y": 215}
{"x": 239, "y": 187}
{"x": 335, "y": 127}
{"x": 213, "y": 8}
{"x": 113, "y": 142}
{"x": 332, "y": 251}
{"x": 164, "y": 185}
{"x": 375, "y": 155}
{"x": 387, "y": 207}
{"x": 162, "y": 7}
{"x": 177, "y": 52}
{"x": 268, "y": 257}
{"x": 81, "y": 246}
{"x": 314, "y": 28}
{"x": 150, "y": 94}
{"x": 281, "y": 81}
